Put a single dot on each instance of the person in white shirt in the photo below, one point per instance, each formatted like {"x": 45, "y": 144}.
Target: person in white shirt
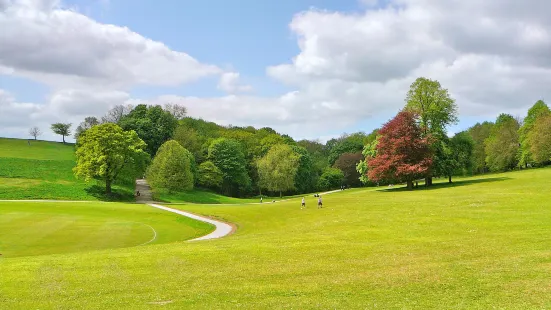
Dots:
{"x": 319, "y": 202}
{"x": 303, "y": 204}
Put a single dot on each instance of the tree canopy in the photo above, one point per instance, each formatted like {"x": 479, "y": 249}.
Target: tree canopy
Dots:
{"x": 278, "y": 168}
{"x": 227, "y": 155}
{"x": 502, "y": 146}
{"x": 106, "y": 152}
{"x": 538, "y": 110}
{"x": 62, "y": 129}
{"x": 171, "y": 168}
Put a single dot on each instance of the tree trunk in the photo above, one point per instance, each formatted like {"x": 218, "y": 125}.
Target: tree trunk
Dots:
{"x": 450, "y": 179}
{"x": 410, "y": 184}
{"x": 63, "y": 139}
{"x": 428, "y": 181}
{"x": 108, "y": 186}
{"x": 280, "y": 194}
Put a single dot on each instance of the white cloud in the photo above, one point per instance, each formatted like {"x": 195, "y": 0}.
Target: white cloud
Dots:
{"x": 63, "y": 48}
{"x": 229, "y": 82}
{"x": 494, "y": 56}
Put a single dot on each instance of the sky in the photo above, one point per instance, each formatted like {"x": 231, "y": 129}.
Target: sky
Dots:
{"x": 310, "y": 69}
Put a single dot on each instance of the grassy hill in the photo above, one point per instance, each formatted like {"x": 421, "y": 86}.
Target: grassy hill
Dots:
{"x": 480, "y": 243}
{"x": 43, "y": 170}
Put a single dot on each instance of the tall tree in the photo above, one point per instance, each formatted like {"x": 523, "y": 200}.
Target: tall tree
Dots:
{"x": 538, "y": 110}
{"x": 402, "y": 153}
{"x": 105, "y": 151}
{"x": 171, "y": 169}
{"x": 305, "y": 177}
{"x": 278, "y": 168}
{"x": 209, "y": 176}
{"x": 462, "y": 147}
{"x": 178, "y": 111}
{"x": 152, "y": 124}
{"x": 88, "y": 123}
{"x": 347, "y": 163}
{"x": 539, "y": 140}
{"x": 502, "y": 146}
{"x": 345, "y": 144}
{"x": 35, "y": 132}
{"x": 436, "y": 110}
{"x": 226, "y": 154}
{"x": 115, "y": 114}
{"x": 479, "y": 133}
{"x": 62, "y": 129}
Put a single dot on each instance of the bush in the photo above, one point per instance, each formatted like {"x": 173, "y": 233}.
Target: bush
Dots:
{"x": 331, "y": 178}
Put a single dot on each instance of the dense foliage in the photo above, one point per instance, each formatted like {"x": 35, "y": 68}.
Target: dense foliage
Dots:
{"x": 171, "y": 169}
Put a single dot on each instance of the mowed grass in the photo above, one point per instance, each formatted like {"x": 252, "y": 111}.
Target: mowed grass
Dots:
{"x": 483, "y": 243}
{"x": 202, "y": 196}
{"x": 63, "y": 227}
{"x": 43, "y": 170}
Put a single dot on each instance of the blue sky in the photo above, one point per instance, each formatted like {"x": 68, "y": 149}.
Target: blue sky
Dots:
{"x": 306, "y": 68}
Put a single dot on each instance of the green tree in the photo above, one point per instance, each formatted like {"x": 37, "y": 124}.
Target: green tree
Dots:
{"x": 538, "y": 110}
{"x": 347, "y": 163}
{"x": 436, "y": 111}
{"x": 502, "y": 146}
{"x": 106, "y": 151}
{"x": 369, "y": 152}
{"x": 152, "y": 124}
{"x": 462, "y": 146}
{"x": 62, "y": 129}
{"x": 190, "y": 139}
{"x": 345, "y": 144}
{"x": 277, "y": 170}
{"x": 209, "y": 176}
{"x": 226, "y": 154}
{"x": 539, "y": 140}
{"x": 171, "y": 169}
{"x": 479, "y": 133}
{"x": 331, "y": 178}
{"x": 305, "y": 178}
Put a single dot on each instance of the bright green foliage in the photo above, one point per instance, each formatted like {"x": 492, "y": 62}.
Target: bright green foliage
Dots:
{"x": 369, "y": 151}
{"x": 502, "y": 146}
{"x": 104, "y": 151}
{"x": 538, "y": 110}
{"x": 171, "y": 168}
{"x": 277, "y": 170}
{"x": 479, "y": 133}
{"x": 62, "y": 129}
{"x": 539, "y": 140}
{"x": 209, "y": 176}
{"x": 331, "y": 178}
{"x": 318, "y": 153}
{"x": 226, "y": 154}
{"x": 270, "y": 141}
{"x": 190, "y": 140}
{"x": 305, "y": 177}
{"x": 433, "y": 104}
{"x": 152, "y": 124}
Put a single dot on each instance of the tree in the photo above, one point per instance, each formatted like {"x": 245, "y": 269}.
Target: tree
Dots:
{"x": 479, "y": 133}
{"x": 347, "y": 163}
{"x": 538, "y": 110}
{"x": 190, "y": 139}
{"x": 226, "y": 154}
{"x": 106, "y": 151}
{"x": 171, "y": 169}
{"x": 539, "y": 140}
{"x": 436, "y": 111}
{"x": 462, "y": 147}
{"x": 402, "y": 153}
{"x": 88, "y": 123}
{"x": 502, "y": 146}
{"x": 369, "y": 151}
{"x": 209, "y": 175}
{"x": 305, "y": 177}
{"x": 331, "y": 178}
{"x": 35, "y": 132}
{"x": 62, "y": 129}
{"x": 153, "y": 125}
{"x": 115, "y": 114}
{"x": 345, "y": 144}
{"x": 178, "y": 111}
{"x": 278, "y": 168}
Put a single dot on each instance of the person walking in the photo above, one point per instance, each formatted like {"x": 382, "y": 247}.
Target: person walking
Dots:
{"x": 260, "y": 199}
{"x": 303, "y": 204}
{"x": 320, "y": 204}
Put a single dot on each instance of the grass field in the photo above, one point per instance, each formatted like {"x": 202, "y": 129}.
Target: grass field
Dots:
{"x": 481, "y": 243}
{"x": 50, "y": 228}
{"x": 43, "y": 170}
{"x": 208, "y": 197}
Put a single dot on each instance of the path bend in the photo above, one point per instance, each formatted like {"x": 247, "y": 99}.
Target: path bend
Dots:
{"x": 222, "y": 229}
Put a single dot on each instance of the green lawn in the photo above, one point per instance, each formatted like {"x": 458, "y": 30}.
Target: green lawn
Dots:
{"x": 482, "y": 243}
{"x": 43, "y": 170}
{"x": 63, "y": 227}
{"x": 208, "y": 197}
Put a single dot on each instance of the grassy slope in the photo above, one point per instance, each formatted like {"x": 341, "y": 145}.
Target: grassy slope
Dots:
{"x": 43, "y": 170}
{"x": 483, "y": 243}
{"x": 49, "y": 228}
{"x": 209, "y": 197}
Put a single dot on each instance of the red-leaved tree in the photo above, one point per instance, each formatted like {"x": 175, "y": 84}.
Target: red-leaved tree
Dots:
{"x": 401, "y": 153}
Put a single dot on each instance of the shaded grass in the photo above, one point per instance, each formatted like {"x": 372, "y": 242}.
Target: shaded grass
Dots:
{"x": 478, "y": 246}
{"x": 51, "y": 228}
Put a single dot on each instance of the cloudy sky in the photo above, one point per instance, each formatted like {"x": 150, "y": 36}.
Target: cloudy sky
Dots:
{"x": 311, "y": 69}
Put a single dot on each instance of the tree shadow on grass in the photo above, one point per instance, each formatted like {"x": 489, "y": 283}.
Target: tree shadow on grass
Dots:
{"x": 118, "y": 194}
{"x": 442, "y": 185}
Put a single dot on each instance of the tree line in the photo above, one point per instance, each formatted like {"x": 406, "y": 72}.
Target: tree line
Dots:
{"x": 415, "y": 145}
